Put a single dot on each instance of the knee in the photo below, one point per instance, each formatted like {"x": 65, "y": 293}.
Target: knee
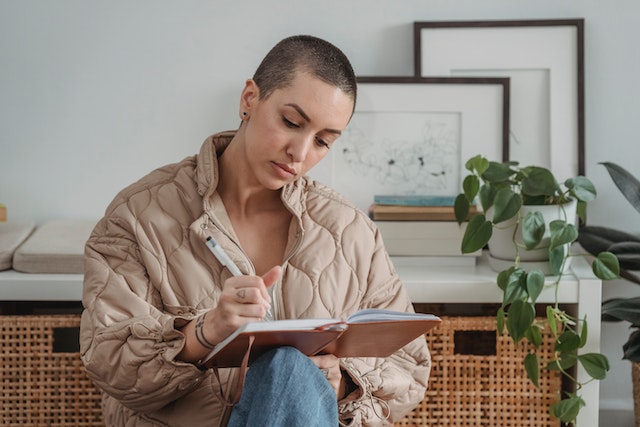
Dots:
{"x": 287, "y": 359}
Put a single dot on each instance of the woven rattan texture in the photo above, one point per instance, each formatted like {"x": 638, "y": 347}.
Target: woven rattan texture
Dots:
{"x": 40, "y": 386}
{"x": 483, "y": 390}
{"x": 43, "y": 387}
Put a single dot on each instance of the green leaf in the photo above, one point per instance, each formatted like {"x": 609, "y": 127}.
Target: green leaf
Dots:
{"x": 516, "y": 288}
{"x": 487, "y": 194}
{"x": 520, "y": 316}
{"x": 505, "y": 205}
{"x": 471, "y": 186}
{"x": 627, "y": 261}
{"x": 628, "y": 254}
{"x": 583, "y": 333}
{"x": 534, "y": 335}
{"x": 497, "y": 173}
{"x": 581, "y": 210}
{"x": 551, "y": 320}
{"x": 461, "y": 208}
{"x": 503, "y": 277}
{"x": 567, "y": 409}
{"x": 556, "y": 259}
{"x": 561, "y": 233}
{"x": 628, "y": 185}
{"x": 533, "y": 228}
{"x": 500, "y": 321}
{"x": 596, "y": 239}
{"x": 539, "y": 182}
{"x": 632, "y": 347}
{"x": 477, "y": 234}
{"x": 566, "y": 361}
{"x": 478, "y": 164}
{"x": 581, "y": 188}
{"x": 531, "y": 367}
{"x": 606, "y": 266}
{"x": 535, "y": 284}
{"x": 568, "y": 341}
{"x": 596, "y": 365}
{"x": 627, "y": 309}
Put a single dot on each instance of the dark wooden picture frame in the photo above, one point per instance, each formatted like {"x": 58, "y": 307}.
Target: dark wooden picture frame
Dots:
{"x": 401, "y": 122}
{"x": 497, "y": 48}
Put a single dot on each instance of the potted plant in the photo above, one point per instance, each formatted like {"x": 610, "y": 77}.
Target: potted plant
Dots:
{"x": 503, "y": 189}
{"x": 626, "y": 247}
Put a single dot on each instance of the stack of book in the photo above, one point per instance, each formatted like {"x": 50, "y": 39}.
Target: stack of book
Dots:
{"x": 420, "y": 226}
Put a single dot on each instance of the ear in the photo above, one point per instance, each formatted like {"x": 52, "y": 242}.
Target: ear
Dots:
{"x": 250, "y": 96}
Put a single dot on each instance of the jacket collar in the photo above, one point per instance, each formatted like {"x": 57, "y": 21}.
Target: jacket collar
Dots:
{"x": 207, "y": 173}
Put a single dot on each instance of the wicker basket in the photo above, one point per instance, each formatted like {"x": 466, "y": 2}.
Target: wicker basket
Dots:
{"x": 478, "y": 379}
{"x": 42, "y": 379}
{"x": 44, "y": 384}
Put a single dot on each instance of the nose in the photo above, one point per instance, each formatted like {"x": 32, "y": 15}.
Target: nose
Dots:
{"x": 298, "y": 148}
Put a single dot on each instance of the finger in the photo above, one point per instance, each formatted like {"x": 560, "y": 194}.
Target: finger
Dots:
{"x": 248, "y": 295}
{"x": 252, "y": 296}
{"x": 242, "y": 307}
{"x": 272, "y": 276}
{"x": 268, "y": 280}
{"x": 325, "y": 360}
{"x": 234, "y": 285}
{"x": 245, "y": 302}
{"x": 333, "y": 375}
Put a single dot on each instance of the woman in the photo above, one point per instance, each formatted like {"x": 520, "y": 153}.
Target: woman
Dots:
{"x": 157, "y": 300}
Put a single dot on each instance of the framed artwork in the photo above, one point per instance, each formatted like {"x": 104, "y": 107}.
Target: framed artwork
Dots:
{"x": 412, "y": 135}
{"x": 544, "y": 60}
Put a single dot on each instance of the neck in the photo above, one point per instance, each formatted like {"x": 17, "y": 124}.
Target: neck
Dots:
{"x": 241, "y": 193}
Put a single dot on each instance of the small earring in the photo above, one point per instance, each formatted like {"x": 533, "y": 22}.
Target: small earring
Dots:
{"x": 244, "y": 114}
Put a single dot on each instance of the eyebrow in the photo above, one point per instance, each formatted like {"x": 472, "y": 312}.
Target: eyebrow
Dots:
{"x": 307, "y": 118}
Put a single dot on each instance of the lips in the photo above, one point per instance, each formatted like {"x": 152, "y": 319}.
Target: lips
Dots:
{"x": 285, "y": 168}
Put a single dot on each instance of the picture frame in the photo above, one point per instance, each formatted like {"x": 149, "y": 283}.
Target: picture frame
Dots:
{"x": 412, "y": 135}
{"x": 544, "y": 60}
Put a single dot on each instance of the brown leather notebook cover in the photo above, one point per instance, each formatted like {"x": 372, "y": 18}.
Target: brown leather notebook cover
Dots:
{"x": 308, "y": 342}
{"x": 378, "y": 339}
{"x": 372, "y": 338}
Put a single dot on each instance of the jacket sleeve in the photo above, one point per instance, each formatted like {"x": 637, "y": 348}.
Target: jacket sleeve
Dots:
{"x": 388, "y": 388}
{"x": 127, "y": 343}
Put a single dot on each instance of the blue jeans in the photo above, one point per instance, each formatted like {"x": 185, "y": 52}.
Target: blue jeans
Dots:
{"x": 283, "y": 387}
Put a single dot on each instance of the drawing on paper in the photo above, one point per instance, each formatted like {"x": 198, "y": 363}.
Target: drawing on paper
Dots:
{"x": 398, "y": 153}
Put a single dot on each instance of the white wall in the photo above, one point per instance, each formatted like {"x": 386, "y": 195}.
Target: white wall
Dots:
{"x": 95, "y": 94}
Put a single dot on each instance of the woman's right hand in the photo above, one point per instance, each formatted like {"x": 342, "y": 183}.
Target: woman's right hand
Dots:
{"x": 243, "y": 299}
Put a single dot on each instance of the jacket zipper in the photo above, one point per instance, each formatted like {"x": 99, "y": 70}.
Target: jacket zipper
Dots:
{"x": 205, "y": 226}
{"x": 294, "y": 250}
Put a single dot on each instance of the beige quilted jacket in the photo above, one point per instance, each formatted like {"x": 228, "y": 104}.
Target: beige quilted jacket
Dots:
{"x": 148, "y": 272}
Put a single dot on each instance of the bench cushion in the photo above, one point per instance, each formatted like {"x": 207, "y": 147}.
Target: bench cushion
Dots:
{"x": 54, "y": 247}
{"x": 12, "y": 234}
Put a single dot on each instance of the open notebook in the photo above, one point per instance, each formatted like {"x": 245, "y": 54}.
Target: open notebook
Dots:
{"x": 366, "y": 333}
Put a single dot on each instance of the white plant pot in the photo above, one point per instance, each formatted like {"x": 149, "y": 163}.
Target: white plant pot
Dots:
{"x": 502, "y": 251}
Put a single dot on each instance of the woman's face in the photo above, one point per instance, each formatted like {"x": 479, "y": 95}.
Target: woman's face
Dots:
{"x": 290, "y": 131}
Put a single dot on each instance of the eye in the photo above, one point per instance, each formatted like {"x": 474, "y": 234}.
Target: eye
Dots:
{"x": 322, "y": 143}
{"x": 289, "y": 123}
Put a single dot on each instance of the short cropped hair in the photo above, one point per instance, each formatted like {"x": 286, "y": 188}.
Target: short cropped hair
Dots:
{"x": 307, "y": 54}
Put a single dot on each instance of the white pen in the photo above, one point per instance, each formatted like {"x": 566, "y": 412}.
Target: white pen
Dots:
{"x": 222, "y": 256}
{"x": 224, "y": 259}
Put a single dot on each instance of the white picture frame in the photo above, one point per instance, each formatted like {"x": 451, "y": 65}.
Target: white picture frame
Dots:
{"x": 544, "y": 60}
{"x": 412, "y": 135}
